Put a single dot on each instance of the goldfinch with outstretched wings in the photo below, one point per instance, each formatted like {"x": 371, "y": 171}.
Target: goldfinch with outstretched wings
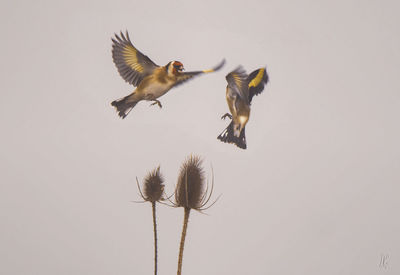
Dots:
{"x": 240, "y": 91}
{"x": 151, "y": 81}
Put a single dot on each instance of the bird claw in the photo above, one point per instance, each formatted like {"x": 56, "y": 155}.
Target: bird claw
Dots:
{"x": 156, "y": 102}
{"x": 226, "y": 115}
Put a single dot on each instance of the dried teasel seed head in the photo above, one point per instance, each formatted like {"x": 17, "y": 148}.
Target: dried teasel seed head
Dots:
{"x": 189, "y": 192}
{"x": 153, "y": 187}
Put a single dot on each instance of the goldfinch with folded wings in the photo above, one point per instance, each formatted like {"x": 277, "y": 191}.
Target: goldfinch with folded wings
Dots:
{"x": 240, "y": 91}
{"x": 151, "y": 81}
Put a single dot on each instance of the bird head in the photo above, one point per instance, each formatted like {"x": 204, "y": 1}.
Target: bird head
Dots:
{"x": 175, "y": 67}
{"x": 178, "y": 66}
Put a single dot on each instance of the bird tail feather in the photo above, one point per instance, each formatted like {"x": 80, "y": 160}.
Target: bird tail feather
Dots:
{"x": 228, "y": 136}
{"x": 124, "y": 105}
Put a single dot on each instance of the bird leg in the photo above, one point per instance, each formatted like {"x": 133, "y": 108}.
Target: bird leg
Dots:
{"x": 156, "y": 102}
{"x": 226, "y": 115}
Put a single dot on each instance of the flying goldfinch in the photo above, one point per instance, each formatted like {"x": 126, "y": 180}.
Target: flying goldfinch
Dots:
{"x": 151, "y": 81}
{"x": 239, "y": 92}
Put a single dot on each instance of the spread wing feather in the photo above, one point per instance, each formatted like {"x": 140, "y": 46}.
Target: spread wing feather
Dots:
{"x": 132, "y": 65}
{"x": 237, "y": 82}
{"x": 257, "y": 80}
{"x": 183, "y": 77}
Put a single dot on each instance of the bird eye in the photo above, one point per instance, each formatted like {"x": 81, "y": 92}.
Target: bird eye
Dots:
{"x": 178, "y": 67}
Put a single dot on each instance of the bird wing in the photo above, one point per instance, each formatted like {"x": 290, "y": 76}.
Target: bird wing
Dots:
{"x": 257, "y": 80}
{"x": 132, "y": 65}
{"x": 237, "y": 82}
{"x": 183, "y": 77}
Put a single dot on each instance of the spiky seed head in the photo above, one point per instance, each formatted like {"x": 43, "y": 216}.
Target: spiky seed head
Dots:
{"x": 189, "y": 192}
{"x": 153, "y": 188}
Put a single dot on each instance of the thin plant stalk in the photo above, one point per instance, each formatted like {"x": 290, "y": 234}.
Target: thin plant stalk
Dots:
{"x": 182, "y": 245}
{"x": 191, "y": 192}
{"x": 153, "y": 192}
{"x": 153, "y": 204}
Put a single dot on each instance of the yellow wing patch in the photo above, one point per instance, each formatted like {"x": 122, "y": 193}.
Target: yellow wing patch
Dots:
{"x": 255, "y": 81}
{"x": 237, "y": 79}
{"x": 131, "y": 59}
{"x": 216, "y": 68}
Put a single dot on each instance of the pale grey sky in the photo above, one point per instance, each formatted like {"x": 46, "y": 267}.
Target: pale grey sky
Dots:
{"x": 316, "y": 192}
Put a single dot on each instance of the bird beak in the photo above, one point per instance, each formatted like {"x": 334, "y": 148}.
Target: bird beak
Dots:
{"x": 182, "y": 68}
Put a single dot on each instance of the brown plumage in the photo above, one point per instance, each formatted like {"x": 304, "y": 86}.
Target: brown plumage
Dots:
{"x": 240, "y": 91}
{"x": 152, "y": 81}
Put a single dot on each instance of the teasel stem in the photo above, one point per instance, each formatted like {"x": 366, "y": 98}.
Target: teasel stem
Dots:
{"x": 184, "y": 229}
{"x": 153, "y": 191}
{"x": 153, "y": 206}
